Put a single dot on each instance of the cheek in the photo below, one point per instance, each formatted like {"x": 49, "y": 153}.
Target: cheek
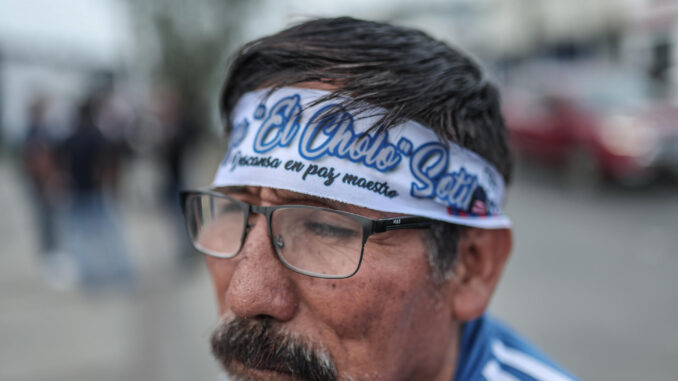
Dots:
{"x": 221, "y": 271}
{"x": 380, "y": 299}
{"x": 352, "y": 306}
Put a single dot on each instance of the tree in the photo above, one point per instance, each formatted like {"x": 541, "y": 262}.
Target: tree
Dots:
{"x": 187, "y": 42}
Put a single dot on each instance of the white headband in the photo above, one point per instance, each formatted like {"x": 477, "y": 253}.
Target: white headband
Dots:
{"x": 278, "y": 141}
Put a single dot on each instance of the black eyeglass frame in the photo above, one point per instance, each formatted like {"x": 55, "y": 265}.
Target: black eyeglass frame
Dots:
{"x": 369, "y": 226}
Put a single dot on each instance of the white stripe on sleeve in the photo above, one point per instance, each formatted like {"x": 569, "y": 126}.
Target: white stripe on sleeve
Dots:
{"x": 493, "y": 372}
{"x": 526, "y": 364}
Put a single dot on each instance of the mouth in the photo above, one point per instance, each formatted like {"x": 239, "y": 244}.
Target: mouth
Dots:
{"x": 239, "y": 372}
{"x": 258, "y": 349}
{"x": 248, "y": 371}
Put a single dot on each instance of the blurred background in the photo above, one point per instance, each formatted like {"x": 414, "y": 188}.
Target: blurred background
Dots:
{"x": 108, "y": 107}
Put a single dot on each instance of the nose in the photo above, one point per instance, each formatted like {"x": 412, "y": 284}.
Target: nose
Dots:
{"x": 261, "y": 284}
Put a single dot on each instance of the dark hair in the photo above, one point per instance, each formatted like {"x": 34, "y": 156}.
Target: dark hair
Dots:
{"x": 404, "y": 71}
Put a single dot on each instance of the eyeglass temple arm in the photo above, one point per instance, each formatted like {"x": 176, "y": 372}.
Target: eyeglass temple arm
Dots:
{"x": 396, "y": 223}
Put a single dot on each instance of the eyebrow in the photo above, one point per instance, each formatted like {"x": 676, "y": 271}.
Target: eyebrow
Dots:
{"x": 333, "y": 204}
{"x": 338, "y": 205}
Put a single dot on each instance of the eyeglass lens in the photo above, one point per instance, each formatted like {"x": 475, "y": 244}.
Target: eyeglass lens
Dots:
{"x": 315, "y": 241}
{"x": 215, "y": 225}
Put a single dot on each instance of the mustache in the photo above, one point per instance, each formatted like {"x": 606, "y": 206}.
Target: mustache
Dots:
{"x": 259, "y": 344}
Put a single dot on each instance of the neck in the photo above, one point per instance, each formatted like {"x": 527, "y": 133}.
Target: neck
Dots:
{"x": 449, "y": 365}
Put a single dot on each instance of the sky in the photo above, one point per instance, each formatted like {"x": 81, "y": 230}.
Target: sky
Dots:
{"x": 97, "y": 29}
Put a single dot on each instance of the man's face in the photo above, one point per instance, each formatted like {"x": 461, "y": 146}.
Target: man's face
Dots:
{"x": 390, "y": 321}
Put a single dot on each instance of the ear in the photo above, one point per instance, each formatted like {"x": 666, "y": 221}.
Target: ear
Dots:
{"x": 482, "y": 254}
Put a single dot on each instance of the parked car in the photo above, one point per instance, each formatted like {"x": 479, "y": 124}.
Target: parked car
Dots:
{"x": 598, "y": 124}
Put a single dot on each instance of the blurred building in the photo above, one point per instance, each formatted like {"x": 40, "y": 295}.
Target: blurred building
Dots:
{"x": 639, "y": 33}
{"x": 58, "y": 49}
{"x": 651, "y": 37}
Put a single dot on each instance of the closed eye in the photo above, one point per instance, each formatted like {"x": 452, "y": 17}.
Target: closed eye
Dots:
{"x": 230, "y": 208}
{"x": 329, "y": 231}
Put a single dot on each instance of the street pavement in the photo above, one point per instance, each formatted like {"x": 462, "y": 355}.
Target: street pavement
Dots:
{"x": 591, "y": 281}
{"x": 592, "y": 278}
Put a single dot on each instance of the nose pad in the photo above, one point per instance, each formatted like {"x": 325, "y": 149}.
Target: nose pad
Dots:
{"x": 252, "y": 227}
{"x": 252, "y": 221}
{"x": 279, "y": 241}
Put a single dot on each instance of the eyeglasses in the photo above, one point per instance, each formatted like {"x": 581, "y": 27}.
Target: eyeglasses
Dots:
{"x": 310, "y": 240}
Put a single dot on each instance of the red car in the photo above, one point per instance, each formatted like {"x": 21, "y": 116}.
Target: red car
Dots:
{"x": 604, "y": 125}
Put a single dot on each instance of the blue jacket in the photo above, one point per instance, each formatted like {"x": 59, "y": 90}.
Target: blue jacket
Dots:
{"x": 490, "y": 351}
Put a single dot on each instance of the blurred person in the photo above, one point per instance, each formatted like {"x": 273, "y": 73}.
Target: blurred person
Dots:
{"x": 354, "y": 229}
{"x": 93, "y": 236}
{"x": 40, "y": 165}
{"x": 178, "y": 132}
{"x": 39, "y": 155}
{"x": 116, "y": 120}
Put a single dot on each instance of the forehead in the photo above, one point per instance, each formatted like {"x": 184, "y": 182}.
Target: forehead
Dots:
{"x": 286, "y": 197}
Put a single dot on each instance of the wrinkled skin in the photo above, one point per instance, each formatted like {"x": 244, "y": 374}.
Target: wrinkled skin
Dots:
{"x": 390, "y": 321}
